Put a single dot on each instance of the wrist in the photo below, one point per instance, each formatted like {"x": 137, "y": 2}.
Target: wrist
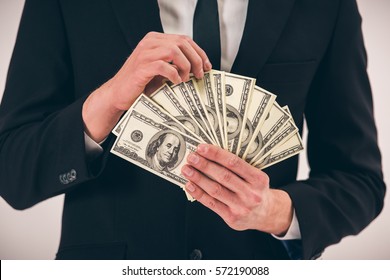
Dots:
{"x": 280, "y": 212}
{"x": 99, "y": 114}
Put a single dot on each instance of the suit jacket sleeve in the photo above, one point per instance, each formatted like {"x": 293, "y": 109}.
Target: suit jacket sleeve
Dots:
{"x": 345, "y": 189}
{"x": 42, "y": 150}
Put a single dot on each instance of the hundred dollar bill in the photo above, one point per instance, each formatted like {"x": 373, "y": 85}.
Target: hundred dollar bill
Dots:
{"x": 291, "y": 147}
{"x": 238, "y": 90}
{"x": 260, "y": 105}
{"x": 220, "y": 99}
{"x": 287, "y": 131}
{"x": 155, "y": 147}
{"x": 204, "y": 114}
{"x": 166, "y": 98}
{"x": 184, "y": 97}
{"x": 148, "y": 107}
{"x": 205, "y": 88}
{"x": 273, "y": 123}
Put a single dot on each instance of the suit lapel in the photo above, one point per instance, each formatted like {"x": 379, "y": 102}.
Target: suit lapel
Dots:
{"x": 264, "y": 24}
{"x": 136, "y": 18}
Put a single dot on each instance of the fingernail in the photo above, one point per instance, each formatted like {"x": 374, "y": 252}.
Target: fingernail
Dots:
{"x": 193, "y": 158}
{"x": 200, "y": 74}
{"x": 190, "y": 187}
{"x": 187, "y": 171}
{"x": 202, "y": 149}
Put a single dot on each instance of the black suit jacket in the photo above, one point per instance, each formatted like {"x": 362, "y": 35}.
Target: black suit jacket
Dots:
{"x": 309, "y": 53}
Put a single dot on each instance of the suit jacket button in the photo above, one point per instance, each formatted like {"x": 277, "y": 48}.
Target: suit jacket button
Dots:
{"x": 68, "y": 177}
{"x": 196, "y": 254}
{"x": 63, "y": 179}
{"x": 71, "y": 175}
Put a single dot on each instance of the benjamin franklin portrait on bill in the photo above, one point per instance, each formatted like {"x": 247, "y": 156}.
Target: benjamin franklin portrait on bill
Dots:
{"x": 165, "y": 150}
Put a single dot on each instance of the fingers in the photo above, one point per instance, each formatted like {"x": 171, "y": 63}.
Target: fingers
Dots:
{"x": 222, "y": 183}
{"x": 236, "y": 191}
{"x": 209, "y": 186}
{"x": 166, "y": 70}
{"x": 205, "y": 60}
{"x": 218, "y": 173}
{"x": 173, "y": 57}
{"x": 180, "y": 50}
{"x": 232, "y": 162}
{"x": 180, "y": 39}
{"x": 194, "y": 60}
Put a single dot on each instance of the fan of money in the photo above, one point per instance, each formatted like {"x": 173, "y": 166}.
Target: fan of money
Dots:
{"x": 158, "y": 132}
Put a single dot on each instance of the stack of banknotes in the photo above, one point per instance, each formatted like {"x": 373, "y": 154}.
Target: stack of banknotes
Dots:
{"x": 158, "y": 132}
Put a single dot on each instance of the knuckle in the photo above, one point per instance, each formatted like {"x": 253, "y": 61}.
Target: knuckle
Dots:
{"x": 183, "y": 39}
{"x": 234, "y": 161}
{"x": 244, "y": 212}
{"x": 143, "y": 43}
{"x": 232, "y": 218}
{"x": 216, "y": 190}
{"x": 198, "y": 61}
{"x": 186, "y": 66}
{"x": 159, "y": 66}
{"x": 198, "y": 196}
{"x": 265, "y": 180}
{"x": 239, "y": 212}
{"x": 261, "y": 178}
{"x": 211, "y": 204}
{"x": 179, "y": 40}
{"x": 202, "y": 164}
{"x": 215, "y": 152}
{"x": 256, "y": 198}
{"x": 171, "y": 53}
{"x": 226, "y": 176}
{"x": 150, "y": 34}
{"x": 186, "y": 38}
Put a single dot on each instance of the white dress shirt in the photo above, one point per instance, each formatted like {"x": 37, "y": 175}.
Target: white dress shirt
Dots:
{"x": 177, "y": 18}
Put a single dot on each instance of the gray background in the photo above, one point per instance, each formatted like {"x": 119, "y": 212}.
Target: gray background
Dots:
{"x": 34, "y": 233}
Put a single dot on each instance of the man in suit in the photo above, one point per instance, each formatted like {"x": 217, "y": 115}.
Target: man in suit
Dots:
{"x": 71, "y": 78}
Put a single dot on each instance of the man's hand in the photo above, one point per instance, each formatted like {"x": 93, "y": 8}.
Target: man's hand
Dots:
{"x": 236, "y": 191}
{"x": 157, "y": 56}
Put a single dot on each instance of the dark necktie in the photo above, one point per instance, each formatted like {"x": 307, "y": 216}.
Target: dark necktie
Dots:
{"x": 206, "y": 30}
